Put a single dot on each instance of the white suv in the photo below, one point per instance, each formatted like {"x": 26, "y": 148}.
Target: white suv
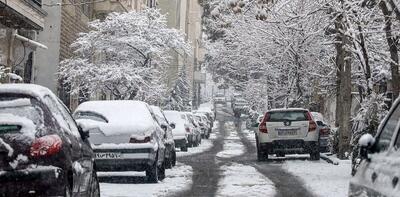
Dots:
{"x": 287, "y": 131}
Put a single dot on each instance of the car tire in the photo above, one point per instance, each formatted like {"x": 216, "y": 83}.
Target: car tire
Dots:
{"x": 95, "y": 186}
{"x": 168, "y": 162}
{"x": 261, "y": 155}
{"x": 184, "y": 148}
{"x": 173, "y": 162}
{"x": 67, "y": 189}
{"x": 152, "y": 173}
{"x": 161, "y": 171}
{"x": 315, "y": 153}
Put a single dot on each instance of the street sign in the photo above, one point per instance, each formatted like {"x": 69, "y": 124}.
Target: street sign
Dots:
{"x": 199, "y": 77}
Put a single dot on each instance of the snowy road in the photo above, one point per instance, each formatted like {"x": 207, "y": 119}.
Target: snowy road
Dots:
{"x": 226, "y": 165}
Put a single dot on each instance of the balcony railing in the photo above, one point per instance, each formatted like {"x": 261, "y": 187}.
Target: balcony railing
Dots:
{"x": 37, "y": 2}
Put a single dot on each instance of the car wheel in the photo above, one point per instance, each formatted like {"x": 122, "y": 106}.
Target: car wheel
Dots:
{"x": 173, "y": 158}
{"x": 184, "y": 148}
{"x": 67, "y": 189}
{"x": 161, "y": 171}
{"x": 314, "y": 153}
{"x": 152, "y": 173}
{"x": 95, "y": 186}
{"x": 261, "y": 156}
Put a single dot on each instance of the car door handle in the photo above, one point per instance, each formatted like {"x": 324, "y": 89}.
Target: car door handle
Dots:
{"x": 395, "y": 180}
{"x": 374, "y": 176}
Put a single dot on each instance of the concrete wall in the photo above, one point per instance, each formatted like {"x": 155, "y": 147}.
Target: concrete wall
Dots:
{"x": 47, "y": 61}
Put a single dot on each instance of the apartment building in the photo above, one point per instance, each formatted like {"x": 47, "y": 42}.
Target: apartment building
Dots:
{"x": 20, "y": 22}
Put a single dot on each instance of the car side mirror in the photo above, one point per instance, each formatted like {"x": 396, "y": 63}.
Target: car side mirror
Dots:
{"x": 366, "y": 143}
{"x": 164, "y": 127}
{"x": 85, "y": 128}
{"x": 172, "y": 125}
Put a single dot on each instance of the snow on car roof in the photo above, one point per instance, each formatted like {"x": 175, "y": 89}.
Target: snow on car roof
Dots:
{"x": 287, "y": 109}
{"x": 124, "y": 117}
{"x": 27, "y": 89}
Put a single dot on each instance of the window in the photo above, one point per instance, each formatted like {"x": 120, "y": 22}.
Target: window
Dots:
{"x": 287, "y": 116}
{"x": 388, "y": 130}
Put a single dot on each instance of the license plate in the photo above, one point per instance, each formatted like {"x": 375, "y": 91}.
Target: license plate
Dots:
{"x": 108, "y": 155}
{"x": 285, "y": 132}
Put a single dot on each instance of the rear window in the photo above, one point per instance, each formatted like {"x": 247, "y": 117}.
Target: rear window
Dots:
{"x": 18, "y": 113}
{"x": 280, "y": 116}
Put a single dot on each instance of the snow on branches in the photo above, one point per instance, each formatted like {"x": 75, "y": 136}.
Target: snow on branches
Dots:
{"x": 125, "y": 56}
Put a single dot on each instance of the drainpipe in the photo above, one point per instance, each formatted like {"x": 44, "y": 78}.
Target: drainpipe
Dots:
{"x": 31, "y": 42}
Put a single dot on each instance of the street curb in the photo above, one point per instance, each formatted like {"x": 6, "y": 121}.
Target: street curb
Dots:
{"x": 328, "y": 160}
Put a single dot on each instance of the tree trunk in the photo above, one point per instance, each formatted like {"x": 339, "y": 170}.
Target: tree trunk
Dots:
{"x": 343, "y": 102}
{"x": 392, "y": 42}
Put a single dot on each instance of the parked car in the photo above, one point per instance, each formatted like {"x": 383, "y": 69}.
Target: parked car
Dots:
{"x": 170, "y": 154}
{"x": 210, "y": 117}
{"x": 127, "y": 137}
{"x": 203, "y": 125}
{"x": 43, "y": 151}
{"x": 378, "y": 173}
{"x": 324, "y": 131}
{"x": 181, "y": 132}
{"x": 220, "y": 100}
{"x": 287, "y": 131}
{"x": 194, "y": 128}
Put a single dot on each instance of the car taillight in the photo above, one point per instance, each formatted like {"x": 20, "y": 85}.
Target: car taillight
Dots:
{"x": 187, "y": 129}
{"x": 138, "y": 141}
{"x": 263, "y": 128}
{"x": 263, "y": 125}
{"x": 46, "y": 146}
{"x": 324, "y": 131}
{"x": 312, "y": 124}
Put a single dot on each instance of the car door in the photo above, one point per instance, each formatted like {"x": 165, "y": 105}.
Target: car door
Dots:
{"x": 85, "y": 163}
{"x": 380, "y": 175}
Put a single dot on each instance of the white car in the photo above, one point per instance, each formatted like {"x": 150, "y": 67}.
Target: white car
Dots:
{"x": 181, "y": 132}
{"x": 378, "y": 173}
{"x": 287, "y": 131}
{"x": 125, "y": 137}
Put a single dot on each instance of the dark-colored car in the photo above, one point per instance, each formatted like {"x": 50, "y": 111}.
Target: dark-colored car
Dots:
{"x": 378, "y": 173}
{"x": 43, "y": 152}
{"x": 125, "y": 137}
{"x": 170, "y": 154}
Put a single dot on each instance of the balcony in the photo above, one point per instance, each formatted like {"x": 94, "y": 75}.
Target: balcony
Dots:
{"x": 26, "y": 14}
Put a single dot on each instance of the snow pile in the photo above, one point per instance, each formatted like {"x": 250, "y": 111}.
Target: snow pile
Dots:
{"x": 177, "y": 179}
{"x": 366, "y": 140}
{"x": 241, "y": 180}
{"x": 322, "y": 178}
{"x": 28, "y": 128}
{"x": 231, "y": 149}
{"x": 203, "y": 147}
{"x": 124, "y": 117}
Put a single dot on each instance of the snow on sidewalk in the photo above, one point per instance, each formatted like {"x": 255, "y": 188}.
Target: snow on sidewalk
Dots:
{"x": 322, "y": 178}
{"x": 241, "y": 180}
{"x": 203, "y": 147}
{"x": 233, "y": 147}
{"x": 177, "y": 179}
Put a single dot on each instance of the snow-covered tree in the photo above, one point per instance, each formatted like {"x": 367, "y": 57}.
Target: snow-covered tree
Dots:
{"x": 125, "y": 56}
{"x": 180, "y": 96}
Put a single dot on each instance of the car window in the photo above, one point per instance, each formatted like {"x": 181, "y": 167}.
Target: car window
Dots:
{"x": 62, "y": 115}
{"x": 287, "y": 116}
{"x": 385, "y": 137}
{"x": 90, "y": 115}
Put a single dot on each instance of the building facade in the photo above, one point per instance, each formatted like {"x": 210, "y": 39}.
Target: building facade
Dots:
{"x": 20, "y": 23}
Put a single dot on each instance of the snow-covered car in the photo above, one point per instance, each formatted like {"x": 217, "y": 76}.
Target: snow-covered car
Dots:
{"x": 220, "y": 100}
{"x": 378, "y": 173}
{"x": 42, "y": 150}
{"x": 125, "y": 137}
{"x": 194, "y": 128}
{"x": 170, "y": 154}
{"x": 181, "y": 131}
{"x": 287, "y": 131}
{"x": 324, "y": 131}
{"x": 203, "y": 125}
{"x": 209, "y": 115}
